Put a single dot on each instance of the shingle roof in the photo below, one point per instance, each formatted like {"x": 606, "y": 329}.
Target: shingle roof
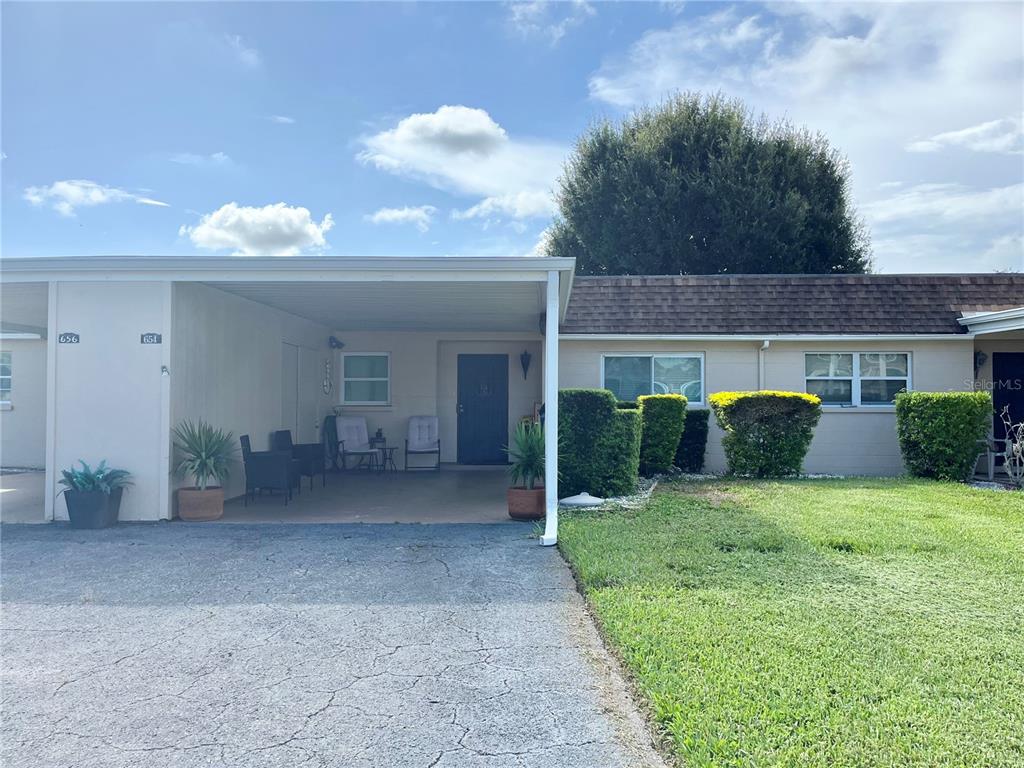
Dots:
{"x": 785, "y": 304}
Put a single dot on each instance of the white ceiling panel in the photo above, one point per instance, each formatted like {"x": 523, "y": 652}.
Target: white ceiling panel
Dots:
{"x": 424, "y": 306}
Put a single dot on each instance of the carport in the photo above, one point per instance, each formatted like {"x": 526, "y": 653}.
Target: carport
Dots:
{"x": 138, "y": 344}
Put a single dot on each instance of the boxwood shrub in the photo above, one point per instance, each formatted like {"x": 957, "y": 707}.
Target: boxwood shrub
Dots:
{"x": 662, "y": 419}
{"x": 767, "y": 433}
{"x": 694, "y": 442}
{"x": 598, "y": 444}
{"x": 939, "y": 432}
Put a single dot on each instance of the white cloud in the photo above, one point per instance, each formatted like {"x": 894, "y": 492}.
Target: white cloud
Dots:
{"x": 520, "y": 205}
{"x": 67, "y": 195}
{"x": 190, "y": 158}
{"x": 273, "y": 230}
{"x": 940, "y": 203}
{"x": 282, "y": 119}
{"x": 548, "y": 20}
{"x": 246, "y": 56}
{"x": 464, "y": 150}
{"x": 420, "y": 215}
{"x": 1004, "y": 136}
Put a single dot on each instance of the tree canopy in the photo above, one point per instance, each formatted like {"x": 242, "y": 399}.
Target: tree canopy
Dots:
{"x": 700, "y": 186}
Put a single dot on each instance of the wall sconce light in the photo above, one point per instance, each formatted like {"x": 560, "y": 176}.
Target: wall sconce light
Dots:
{"x": 334, "y": 343}
{"x": 165, "y": 371}
{"x": 980, "y": 359}
{"x": 524, "y": 360}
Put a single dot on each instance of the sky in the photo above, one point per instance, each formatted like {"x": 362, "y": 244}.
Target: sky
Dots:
{"x": 441, "y": 128}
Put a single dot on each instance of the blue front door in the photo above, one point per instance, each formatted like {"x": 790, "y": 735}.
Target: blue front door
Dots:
{"x": 483, "y": 409}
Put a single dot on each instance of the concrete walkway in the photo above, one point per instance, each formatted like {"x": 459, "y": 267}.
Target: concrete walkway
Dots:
{"x": 323, "y": 645}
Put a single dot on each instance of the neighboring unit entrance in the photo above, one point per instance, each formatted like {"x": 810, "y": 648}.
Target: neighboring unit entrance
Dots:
{"x": 1007, "y": 389}
{"x": 482, "y": 409}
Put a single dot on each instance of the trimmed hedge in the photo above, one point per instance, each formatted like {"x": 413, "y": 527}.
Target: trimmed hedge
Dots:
{"x": 598, "y": 444}
{"x": 939, "y": 432}
{"x": 662, "y": 420}
{"x": 767, "y": 433}
{"x": 694, "y": 442}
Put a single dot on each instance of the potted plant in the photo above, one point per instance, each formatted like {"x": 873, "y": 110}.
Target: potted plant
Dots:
{"x": 526, "y": 467}
{"x": 206, "y": 454}
{"x": 93, "y": 496}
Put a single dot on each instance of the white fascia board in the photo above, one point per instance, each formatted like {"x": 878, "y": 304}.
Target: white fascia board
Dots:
{"x": 981, "y": 323}
{"x": 759, "y": 337}
{"x": 284, "y": 268}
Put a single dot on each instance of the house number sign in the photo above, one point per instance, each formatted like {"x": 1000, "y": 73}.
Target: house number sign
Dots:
{"x": 68, "y": 338}
{"x": 151, "y": 338}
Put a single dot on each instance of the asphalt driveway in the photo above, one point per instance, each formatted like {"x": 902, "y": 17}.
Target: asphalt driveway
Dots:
{"x": 283, "y": 645}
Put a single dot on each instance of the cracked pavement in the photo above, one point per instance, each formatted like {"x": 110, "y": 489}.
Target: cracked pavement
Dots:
{"x": 318, "y": 645}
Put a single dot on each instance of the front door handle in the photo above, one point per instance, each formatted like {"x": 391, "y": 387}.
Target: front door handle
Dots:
{"x": 459, "y": 408}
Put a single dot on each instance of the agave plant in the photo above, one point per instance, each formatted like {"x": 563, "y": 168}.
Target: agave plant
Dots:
{"x": 206, "y": 452}
{"x": 526, "y": 454}
{"x": 103, "y": 478}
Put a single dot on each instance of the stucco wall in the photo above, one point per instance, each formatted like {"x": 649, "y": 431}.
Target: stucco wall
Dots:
{"x": 847, "y": 441}
{"x": 424, "y": 378}
{"x": 23, "y": 426}
{"x": 227, "y": 363}
{"x": 110, "y": 395}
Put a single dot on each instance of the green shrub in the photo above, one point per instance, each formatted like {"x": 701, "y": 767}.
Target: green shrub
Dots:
{"x": 767, "y": 433}
{"x": 939, "y": 431}
{"x": 598, "y": 444}
{"x": 662, "y": 420}
{"x": 692, "y": 445}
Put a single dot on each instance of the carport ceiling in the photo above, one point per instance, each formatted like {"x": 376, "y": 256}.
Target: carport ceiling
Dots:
{"x": 403, "y": 306}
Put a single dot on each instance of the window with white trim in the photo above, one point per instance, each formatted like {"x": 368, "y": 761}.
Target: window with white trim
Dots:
{"x": 856, "y": 378}
{"x": 366, "y": 378}
{"x": 630, "y": 376}
{"x": 5, "y": 378}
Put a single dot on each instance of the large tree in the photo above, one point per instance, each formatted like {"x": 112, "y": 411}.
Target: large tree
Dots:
{"x": 700, "y": 186}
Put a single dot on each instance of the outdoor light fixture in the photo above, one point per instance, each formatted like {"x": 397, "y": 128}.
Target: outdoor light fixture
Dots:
{"x": 334, "y": 343}
{"x": 524, "y": 360}
{"x": 979, "y": 361}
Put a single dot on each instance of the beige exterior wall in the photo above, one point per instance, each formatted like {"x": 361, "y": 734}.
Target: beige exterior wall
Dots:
{"x": 227, "y": 368}
{"x": 855, "y": 441}
{"x": 23, "y": 424}
{"x": 110, "y": 397}
{"x": 424, "y": 379}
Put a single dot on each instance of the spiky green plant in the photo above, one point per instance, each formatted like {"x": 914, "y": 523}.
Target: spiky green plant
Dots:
{"x": 526, "y": 454}
{"x": 103, "y": 478}
{"x": 206, "y": 452}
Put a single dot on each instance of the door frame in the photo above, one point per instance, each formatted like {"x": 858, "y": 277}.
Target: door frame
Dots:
{"x": 460, "y": 447}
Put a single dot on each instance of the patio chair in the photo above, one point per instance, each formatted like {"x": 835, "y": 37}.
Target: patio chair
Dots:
{"x": 354, "y": 440}
{"x": 991, "y": 449}
{"x": 310, "y": 456}
{"x": 423, "y": 439}
{"x": 268, "y": 471}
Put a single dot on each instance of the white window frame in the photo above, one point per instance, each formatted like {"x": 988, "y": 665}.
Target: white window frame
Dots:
{"x": 856, "y": 378}
{"x": 687, "y": 355}
{"x": 345, "y": 379}
{"x": 5, "y": 404}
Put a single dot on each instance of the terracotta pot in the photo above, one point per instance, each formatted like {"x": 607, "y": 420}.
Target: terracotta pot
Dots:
{"x": 194, "y": 504}
{"x": 525, "y": 504}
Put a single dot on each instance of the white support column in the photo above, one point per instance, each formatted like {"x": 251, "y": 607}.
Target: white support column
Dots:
{"x": 50, "y": 478}
{"x": 550, "y": 536}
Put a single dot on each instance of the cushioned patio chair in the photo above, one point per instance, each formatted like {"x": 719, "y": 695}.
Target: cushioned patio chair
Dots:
{"x": 423, "y": 439}
{"x": 310, "y": 456}
{"x": 354, "y": 440}
{"x": 268, "y": 471}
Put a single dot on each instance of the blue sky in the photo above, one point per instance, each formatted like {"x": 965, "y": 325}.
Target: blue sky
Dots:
{"x": 379, "y": 129}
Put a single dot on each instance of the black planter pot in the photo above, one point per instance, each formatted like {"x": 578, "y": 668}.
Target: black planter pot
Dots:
{"x": 93, "y": 509}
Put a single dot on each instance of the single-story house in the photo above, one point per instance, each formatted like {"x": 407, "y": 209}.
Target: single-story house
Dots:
{"x": 101, "y": 356}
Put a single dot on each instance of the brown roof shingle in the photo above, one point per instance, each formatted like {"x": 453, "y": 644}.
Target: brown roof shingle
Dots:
{"x": 784, "y": 304}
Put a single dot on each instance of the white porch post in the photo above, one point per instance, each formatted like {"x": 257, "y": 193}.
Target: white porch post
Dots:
{"x": 550, "y": 536}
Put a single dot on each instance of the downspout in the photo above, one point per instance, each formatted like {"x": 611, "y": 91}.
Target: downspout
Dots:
{"x": 760, "y": 363}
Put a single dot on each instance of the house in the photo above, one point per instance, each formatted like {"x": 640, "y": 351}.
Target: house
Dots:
{"x": 102, "y": 355}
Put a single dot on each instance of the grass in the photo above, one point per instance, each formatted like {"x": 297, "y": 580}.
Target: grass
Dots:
{"x": 817, "y": 622}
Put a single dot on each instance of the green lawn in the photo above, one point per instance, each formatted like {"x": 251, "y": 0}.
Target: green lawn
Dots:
{"x": 817, "y": 622}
